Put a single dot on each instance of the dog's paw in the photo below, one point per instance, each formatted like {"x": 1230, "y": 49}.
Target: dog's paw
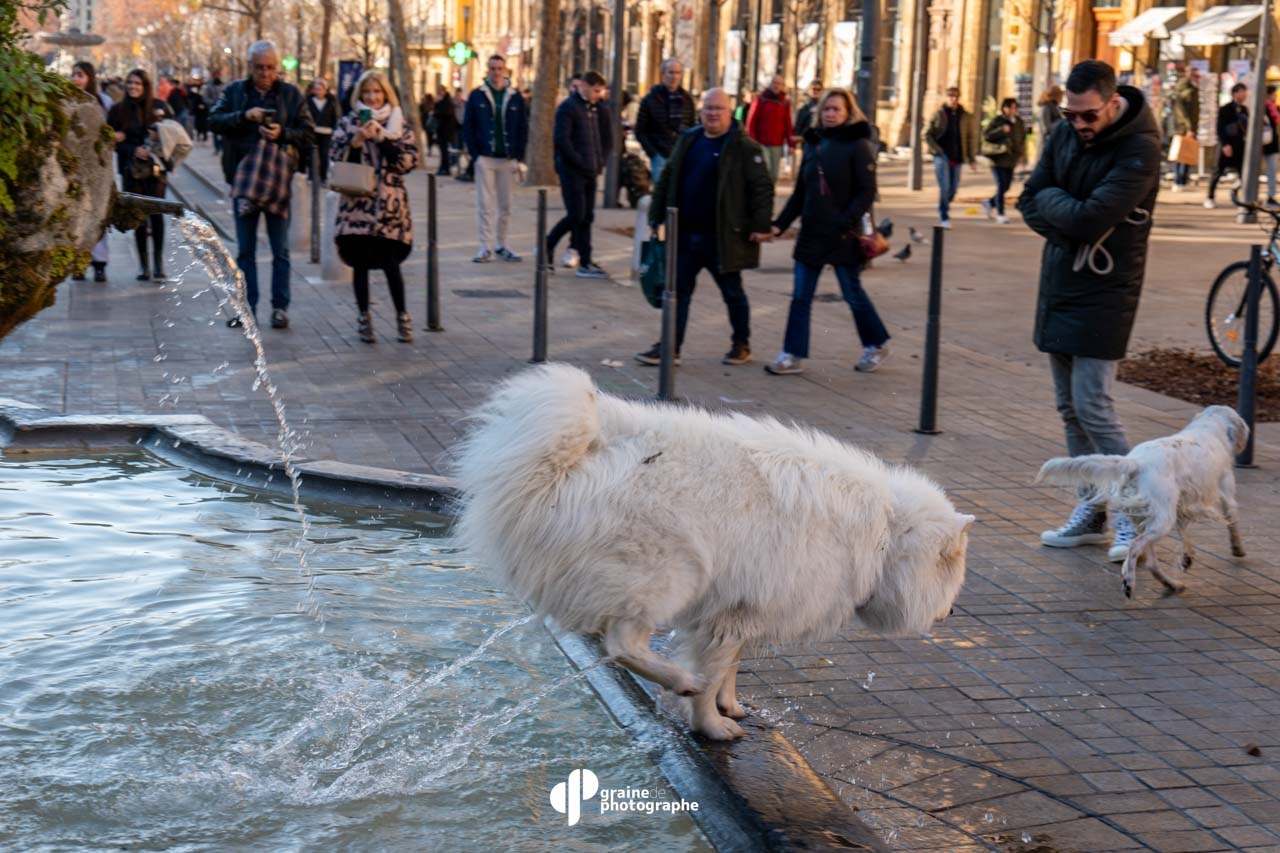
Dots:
{"x": 720, "y": 728}
{"x": 733, "y": 710}
{"x": 1128, "y": 588}
{"x": 690, "y": 685}
{"x": 1237, "y": 552}
{"x": 1186, "y": 562}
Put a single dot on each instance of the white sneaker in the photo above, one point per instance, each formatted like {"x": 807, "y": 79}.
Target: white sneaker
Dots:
{"x": 1177, "y": 188}
{"x": 1208, "y": 204}
{"x": 945, "y": 223}
{"x": 570, "y": 259}
{"x": 1002, "y": 220}
{"x": 986, "y": 207}
{"x": 872, "y": 358}
{"x": 483, "y": 256}
{"x": 1120, "y": 543}
{"x": 784, "y": 364}
{"x": 1087, "y": 525}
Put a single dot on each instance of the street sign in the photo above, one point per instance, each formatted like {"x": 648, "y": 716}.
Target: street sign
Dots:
{"x": 290, "y": 63}
{"x": 460, "y": 52}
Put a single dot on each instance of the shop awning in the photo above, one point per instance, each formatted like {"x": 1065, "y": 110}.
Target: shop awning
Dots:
{"x": 1221, "y": 25}
{"x": 1151, "y": 24}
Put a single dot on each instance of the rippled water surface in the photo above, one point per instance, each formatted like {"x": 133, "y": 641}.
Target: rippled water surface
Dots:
{"x": 164, "y": 686}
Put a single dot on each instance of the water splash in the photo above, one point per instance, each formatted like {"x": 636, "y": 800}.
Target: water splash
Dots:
{"x": 209, "y": 250}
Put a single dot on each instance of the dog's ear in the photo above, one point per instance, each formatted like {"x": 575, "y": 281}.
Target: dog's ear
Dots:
{"x": 1237, "y": 431}
{"x": 965, "y": 521}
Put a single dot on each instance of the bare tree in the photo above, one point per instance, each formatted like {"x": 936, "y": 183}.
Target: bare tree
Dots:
{"x": 542, "y": 112}
{"x": 800, "y": 14}
{"x": 1047, "y": 19}
{"x": 254, "y": 10}
{"x": 364, "y": 28}
{"x": 327, "y": 10}
{"x": 400, "y": 58}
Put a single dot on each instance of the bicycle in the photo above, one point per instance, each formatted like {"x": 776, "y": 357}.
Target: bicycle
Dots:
{"x": 1224, "y": 313}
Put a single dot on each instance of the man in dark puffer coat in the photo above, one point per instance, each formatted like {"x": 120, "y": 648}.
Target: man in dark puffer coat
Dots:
{"x": 1091, "y": 197}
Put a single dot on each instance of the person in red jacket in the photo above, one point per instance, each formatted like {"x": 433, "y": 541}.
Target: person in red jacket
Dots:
{"x": 769, "y": 123}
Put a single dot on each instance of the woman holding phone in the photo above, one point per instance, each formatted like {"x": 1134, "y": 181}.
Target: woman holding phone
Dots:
{"x": 376, "y": 231}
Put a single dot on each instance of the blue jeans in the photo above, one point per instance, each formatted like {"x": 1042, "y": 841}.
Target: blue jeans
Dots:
{"x": 247, "y": 258}
{"x": 871, "y": 330}
{"x": 1082, "y": 388}
{"x": 698, "y": 252}
{"x": 656, "y": 164}
{"x": 1181, "y": 171}
{"x": 1004, "y": 180}
{"x": 948, "y": 182}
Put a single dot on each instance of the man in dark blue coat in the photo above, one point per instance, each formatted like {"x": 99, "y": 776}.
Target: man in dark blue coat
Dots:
{"x": 495, "y": 129}
{"x": 583, "y": 140}
{"x": 1091, "y": 197}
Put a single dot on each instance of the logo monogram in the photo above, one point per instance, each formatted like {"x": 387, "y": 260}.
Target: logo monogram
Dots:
{"x": 567, "y": 798}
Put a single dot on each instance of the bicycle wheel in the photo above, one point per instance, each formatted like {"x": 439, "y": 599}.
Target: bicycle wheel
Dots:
{"x": 1224, "y": 314}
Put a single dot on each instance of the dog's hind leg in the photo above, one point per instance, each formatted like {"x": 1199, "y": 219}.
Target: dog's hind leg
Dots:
{"x": 715, "y": 658}
{"x": 627, "y": 642}
{"x": 1227, "y": 502}
{"x": 1188, "y": 549}
{"x": 727, "y": 695}
{"x": 1154, "y": 565}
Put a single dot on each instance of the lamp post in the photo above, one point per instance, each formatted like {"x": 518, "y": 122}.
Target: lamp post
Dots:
{"x": 1257, "y": 110}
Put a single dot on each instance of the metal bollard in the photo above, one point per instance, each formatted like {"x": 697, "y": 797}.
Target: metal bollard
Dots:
{"x": 540, "y": 284}
{"x": 666, "y": 369}
{"x": 932, "y": 334}
{"x": 1246, "y": 403}
{"x": 313, "y": 174}
{"x": 433, "y": 260}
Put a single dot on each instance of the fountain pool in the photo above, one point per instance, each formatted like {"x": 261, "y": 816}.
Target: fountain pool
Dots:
{"x": 164, "y": 684}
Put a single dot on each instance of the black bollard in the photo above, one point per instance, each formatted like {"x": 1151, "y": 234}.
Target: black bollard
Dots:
{"x": 666, "y": 368}
{"x": 540, "y": 284}
{"x": 313, "y": 175}
{"x": 932, "y": 334}
{"x": 1246, "y": 404}
{"x": 433, "y": 260}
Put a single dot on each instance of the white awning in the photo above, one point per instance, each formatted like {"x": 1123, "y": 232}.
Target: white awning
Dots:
{"x": 1221, "y": 25}
{"x": 1151, "y": 24}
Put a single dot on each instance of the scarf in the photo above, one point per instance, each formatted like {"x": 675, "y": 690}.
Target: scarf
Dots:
{"x": 391, "y": 119}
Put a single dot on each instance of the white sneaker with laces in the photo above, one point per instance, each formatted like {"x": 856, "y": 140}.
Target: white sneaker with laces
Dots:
{"x": 784, "y": 364}
{"x": 1087, "y": 525}
{"x": 1125, "y": 534}
{"x": 871, "y": 358}
{"x": 570, "y": 259}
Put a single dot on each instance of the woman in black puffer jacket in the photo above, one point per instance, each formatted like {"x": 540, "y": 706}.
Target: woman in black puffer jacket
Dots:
{"x": 836, "y": 187}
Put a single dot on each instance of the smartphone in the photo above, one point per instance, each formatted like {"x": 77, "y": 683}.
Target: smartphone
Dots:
{"x": 268, "y": 117}
{"x": 366, "y": 115}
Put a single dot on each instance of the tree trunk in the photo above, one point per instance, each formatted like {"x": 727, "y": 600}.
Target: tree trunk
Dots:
{"x": 542, "y": 112}
{"x": 400, "y": 56}
{"x": 326, "y": 32}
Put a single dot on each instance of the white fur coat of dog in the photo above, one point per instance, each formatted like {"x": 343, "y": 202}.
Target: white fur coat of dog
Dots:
{"x": 614, "y": 517}
{"x": 1166, "y": 483}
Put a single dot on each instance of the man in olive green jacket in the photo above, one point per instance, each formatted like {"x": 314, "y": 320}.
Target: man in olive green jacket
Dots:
{"x": 718, "y": 180}
{"x": 1186, "y": 119}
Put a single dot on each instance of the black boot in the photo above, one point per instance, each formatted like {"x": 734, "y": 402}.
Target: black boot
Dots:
{"x": 157, "y": 268}
{"x": 99, "y": 271}
{"x": 145, "y": 273}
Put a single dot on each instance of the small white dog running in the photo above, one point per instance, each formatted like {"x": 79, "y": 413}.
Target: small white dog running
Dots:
{"x": 614, "y": 517}
{"x": 1166, "y": 483}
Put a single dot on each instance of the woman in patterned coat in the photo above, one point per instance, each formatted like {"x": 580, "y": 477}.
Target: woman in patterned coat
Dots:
{"x": 376, "y": 232}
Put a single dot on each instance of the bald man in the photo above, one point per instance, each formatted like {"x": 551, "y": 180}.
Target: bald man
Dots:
{"x": 718, "y": 180}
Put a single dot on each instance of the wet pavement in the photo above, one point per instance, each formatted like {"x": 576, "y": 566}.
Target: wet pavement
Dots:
{"x": 1048, "y": 714}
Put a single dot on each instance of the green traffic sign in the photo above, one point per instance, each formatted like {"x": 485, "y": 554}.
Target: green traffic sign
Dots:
{"x": 289, "y": 63}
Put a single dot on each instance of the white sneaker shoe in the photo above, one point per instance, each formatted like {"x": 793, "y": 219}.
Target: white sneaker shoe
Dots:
{"x": 1120, "y": 543}
{"x": 945, "y": 223}
{"x": 872, "y": 358}
{"x": 1002, "y": 220}
{"x": 1087, "y": 525}
{"x": 784, "y": 364}
{"x": 483, "y": 257}
{"x": 1208, "y": 204}
{"x": 570, "y": 259}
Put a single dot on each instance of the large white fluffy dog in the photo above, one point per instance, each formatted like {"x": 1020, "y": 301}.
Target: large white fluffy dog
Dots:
{"x": 614, "y": 517}
{"x": 1166, "y": 483}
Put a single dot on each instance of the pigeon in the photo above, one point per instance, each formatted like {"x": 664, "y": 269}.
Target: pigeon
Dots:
{"x": 886, "y": 227}
{"x": 904, "y": 254}
{"x": 916, "y": 236}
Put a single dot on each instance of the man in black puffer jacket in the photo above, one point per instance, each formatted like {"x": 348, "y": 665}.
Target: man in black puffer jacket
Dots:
{"x": 1091, "y": 197}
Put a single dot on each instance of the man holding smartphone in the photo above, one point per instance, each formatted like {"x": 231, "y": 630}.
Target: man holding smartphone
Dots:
{"x": 262, "y": 107}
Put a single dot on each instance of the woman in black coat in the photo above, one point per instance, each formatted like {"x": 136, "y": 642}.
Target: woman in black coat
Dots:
{"x": 140, "y": 169}
{"x": 835, "y": 190}
{"x": 446, "y": 128}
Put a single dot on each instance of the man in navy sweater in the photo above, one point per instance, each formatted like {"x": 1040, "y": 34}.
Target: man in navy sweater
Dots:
{"x": 583, "y": 140}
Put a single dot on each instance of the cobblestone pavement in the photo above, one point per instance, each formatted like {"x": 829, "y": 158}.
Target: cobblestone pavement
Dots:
{"x": 1048, "y": 714}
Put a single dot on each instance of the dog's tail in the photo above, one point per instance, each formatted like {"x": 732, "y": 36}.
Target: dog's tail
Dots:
{"x": 1105, "y": 475}
{"x": 534, "y": 428}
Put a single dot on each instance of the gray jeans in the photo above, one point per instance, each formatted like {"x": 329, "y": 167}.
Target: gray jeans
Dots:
{"x": 1082, "y": 388}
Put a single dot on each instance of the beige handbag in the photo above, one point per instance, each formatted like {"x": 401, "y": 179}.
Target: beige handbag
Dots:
{"x": 354, "y": 179}
{"x": 1184, "y": 149}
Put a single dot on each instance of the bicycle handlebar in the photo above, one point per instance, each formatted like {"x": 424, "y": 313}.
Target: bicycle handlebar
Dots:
{"x": 1274, "y": 212}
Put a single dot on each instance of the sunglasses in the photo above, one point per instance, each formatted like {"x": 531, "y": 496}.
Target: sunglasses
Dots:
{"x": 1084, "y": 116}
